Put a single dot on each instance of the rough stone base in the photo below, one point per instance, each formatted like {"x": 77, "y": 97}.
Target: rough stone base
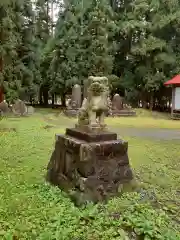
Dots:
{"x": 94, "y": 166}
{"x": 71, "y": 112}
{"x": 123, "y": 113}
{"x": 176, "y": 115}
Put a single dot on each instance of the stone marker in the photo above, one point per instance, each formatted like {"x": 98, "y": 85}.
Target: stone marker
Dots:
{"x": 119, "y": 109}
{"x": 117, "y": 103}
{"x": 4, "y": 108}
{"x": 76, "y": 96}
{"x": 89, "y": 159}
{"x": 19, "y": 108}
{"x": 30, "y": 110}
{"x": 75, "y": 102}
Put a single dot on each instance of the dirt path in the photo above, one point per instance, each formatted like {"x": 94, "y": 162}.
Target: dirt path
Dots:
{"x": 158, "y": 134}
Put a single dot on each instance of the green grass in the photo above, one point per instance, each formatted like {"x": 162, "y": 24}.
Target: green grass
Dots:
{"x": 32, "y": 209}
{"x": 146, "y": 119}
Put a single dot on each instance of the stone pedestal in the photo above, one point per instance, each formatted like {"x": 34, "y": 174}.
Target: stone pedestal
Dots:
{"x": 119, "y": 109}
{"x": 71, "y": 112}
{"x": 93, "y": 164}
{"x": 123, "y": 113}
{"x": 175, "y": 114}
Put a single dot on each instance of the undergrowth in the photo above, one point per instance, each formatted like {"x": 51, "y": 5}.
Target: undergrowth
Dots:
{"x": 32, "y": 209}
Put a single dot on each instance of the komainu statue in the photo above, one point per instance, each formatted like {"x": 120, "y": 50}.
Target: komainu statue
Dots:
{"x": 95, "y": 106}
{"x": 89, "y": 162}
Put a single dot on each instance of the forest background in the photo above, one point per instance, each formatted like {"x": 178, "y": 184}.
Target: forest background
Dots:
{"x": 47, "y": 46}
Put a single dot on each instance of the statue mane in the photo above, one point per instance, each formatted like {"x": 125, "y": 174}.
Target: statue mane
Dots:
{"x": 95, "y": 106}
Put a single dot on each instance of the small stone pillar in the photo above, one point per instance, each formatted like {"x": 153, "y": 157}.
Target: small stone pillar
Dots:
{"x": 75, "y": 103}
{"x": 4, "y": 108}
{"x": 76, "y": 96}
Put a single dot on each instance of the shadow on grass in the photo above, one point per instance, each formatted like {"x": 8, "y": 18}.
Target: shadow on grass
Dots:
{"x": 7, "y": 129}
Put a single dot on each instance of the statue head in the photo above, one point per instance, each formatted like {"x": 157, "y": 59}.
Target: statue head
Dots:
{"x": 97, "y": 85}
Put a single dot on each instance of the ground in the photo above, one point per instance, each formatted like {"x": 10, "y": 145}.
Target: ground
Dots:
{"x": 32, "y": 209}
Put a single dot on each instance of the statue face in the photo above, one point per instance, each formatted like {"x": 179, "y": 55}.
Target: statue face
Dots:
{"x": 96, "y": 88}
{"x": 97, "y": 85}
{"x": 98, "y": 80}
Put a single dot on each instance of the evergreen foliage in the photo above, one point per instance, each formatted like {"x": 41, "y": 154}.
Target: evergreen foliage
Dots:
{"x": 146, "y": 55}
{"x": 135, "y": 43}
{"x": 19, "y": 62}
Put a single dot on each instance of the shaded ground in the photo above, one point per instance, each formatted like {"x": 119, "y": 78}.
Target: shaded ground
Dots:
{"x": 159, "y": 134}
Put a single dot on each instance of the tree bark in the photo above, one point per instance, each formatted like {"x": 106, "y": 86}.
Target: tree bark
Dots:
{"x": 53, "y": 100}
{"x": 63, "y": 99}
{"x": 151, "y": 101}
{"x": 40, "y": 96}
{"x": 52, "y": 17}
{"x": 45, "y": 96}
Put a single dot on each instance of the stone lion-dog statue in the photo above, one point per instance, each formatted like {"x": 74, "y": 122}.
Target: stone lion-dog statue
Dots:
{"x": 94, "y": 107}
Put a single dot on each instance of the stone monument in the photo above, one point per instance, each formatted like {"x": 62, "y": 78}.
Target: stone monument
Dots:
{"x": 4, "y": 108}
{"x": 75, "y": 102}
{"x": 89, "y": 162}
{"x": 120, "y": 109}
{"x": 117, "y": 102}
{"x": 19, "y": 108}
{"x": 30, "y": 110}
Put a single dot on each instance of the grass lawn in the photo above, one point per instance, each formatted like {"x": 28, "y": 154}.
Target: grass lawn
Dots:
{"x": 146, "y": 119}
{"x": 32, "y": 209}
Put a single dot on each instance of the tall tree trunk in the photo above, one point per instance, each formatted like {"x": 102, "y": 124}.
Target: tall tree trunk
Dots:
{"x": 45, "y": 96}
{"x": 151, "y": 101}
{"x": 48, "y": 24}
{"x": 52, "y": 17}
{"x": 41, "y": 96}
{"x": 63, "y": 99}
{"x": 53, "y": 100}
{"x": 31, "y": 100}
{"x": 144, "y": 99}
